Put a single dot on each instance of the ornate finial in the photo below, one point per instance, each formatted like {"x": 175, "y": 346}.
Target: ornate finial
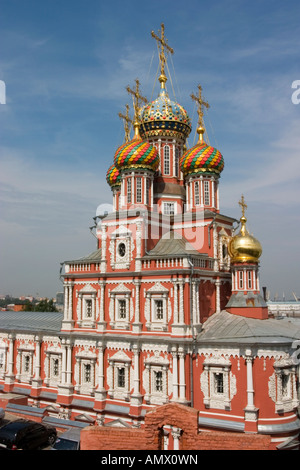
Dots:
{"x": 199, "y": 100}
{"x": 243, "y": 219}
{"x": 126, "y": 120}
{"x": 162, "y": 45}
{"x": 137, "y": 98}
{"x": 243, "y": 205}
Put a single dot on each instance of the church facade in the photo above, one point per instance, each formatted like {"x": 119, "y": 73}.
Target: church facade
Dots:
{"x": 167, "y": 309}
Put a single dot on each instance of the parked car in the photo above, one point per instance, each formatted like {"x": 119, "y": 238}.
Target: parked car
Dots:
{"x": 69, "y": 440}
{"x": 2, "y": 413}
{"x": 26, "y": 435}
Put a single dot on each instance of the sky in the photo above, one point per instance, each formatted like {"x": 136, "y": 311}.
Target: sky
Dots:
{"x": 65, "y": 66}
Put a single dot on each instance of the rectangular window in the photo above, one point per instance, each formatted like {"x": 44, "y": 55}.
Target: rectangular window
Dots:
{"x": 285, "y": 380}
{"x": 219, "y": 383}
{"x": 26, "y": 364}
{"x": 158, "y": 381}
{"x": 166, "y": 160}
{"x": 122, "y": 309}
{"x": 129, "y": 190}
{"x": 206, "y": 193}
{"x": 159, "y": 310}
{"x": 87, "y": 373}
{"x": 169, "y": 208}
{"x": 121, "y": 377}
{"x": 147, "y": 191}
{"x": 88, "y": 308}
{"x": 197, "y": 198}
{"x": 55, "y": 367}
{"x": 249, "y": 280}
{"x": 139, "y": 190}
{"x": 241, "y": 283}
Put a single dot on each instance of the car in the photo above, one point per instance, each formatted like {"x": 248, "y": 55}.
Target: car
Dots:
{"x": 69, "y": 440}
{"x": 26, "y": 435}
{"x": 2, "y": 413}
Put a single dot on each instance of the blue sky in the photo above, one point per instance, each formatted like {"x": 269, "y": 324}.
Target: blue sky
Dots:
{"x": 66, "y": 65}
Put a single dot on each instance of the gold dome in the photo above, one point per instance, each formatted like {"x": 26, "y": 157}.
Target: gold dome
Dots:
{"x": 243, "y": 247}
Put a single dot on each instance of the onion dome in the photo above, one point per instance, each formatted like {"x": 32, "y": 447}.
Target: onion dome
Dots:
{"x": 244, "y": 247}
{"x": 202, "y": 158}
{"x": 163, "y": 117}
{"x": 113, "y": 177}
{"x": 137, "y": 154}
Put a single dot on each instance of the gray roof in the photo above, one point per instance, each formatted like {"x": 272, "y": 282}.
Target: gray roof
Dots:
{"x": 225, "y": 327}
{"x": 173, "y": 244}
{"x": 32, "y": 321}
{"x": 95, "y": 257}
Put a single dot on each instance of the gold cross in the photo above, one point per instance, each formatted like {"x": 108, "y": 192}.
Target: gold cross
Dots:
{"x": 137, "y": 98}
{"x": 200, "y": 103}
{"x": 162, "y": 44}
{"x": 243, "y": 205}
{"x": 126, "y": 120}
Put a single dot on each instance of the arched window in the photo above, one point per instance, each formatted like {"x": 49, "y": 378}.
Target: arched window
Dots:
{"x": 166, "y": 160}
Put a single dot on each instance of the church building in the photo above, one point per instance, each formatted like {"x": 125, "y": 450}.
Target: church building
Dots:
{"x": 168, "y": 308}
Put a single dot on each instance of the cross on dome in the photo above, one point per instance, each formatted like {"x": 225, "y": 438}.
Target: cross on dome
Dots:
{"x": 126, "y": 120}
{"x": 200, "y": 102}
{"x": 162, "y": 45}
{"x": 137, "y": 99}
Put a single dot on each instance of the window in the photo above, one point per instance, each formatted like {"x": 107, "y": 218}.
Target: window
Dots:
{"x": 159, "y": 310}
{"x": 249, "y": 280}
{"x": 55, "y": 367}
{"x": 169, "y": 208}
{"x": 128, "y": 190}
{"x": 147, "y": 191}
{"x": 158, "y": 381}
{"x": 26, "y": 364}
{"x": 166, "y": 160}
{"x": 206, "y": 193}
{"x": 121, "y": 377}
{"x": 122, "y": 309}
{"x": 219, "y": 382}
{"x": 139, "y": 189}
{"x": 122, "y": 249}
{"x": 197, "y": 198}
{"x": 88, "y": 308}
{"x": 87, "y": 373}
{"x": 241, "y": 284}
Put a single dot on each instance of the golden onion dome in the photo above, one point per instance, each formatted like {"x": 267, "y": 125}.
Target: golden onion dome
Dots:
{"x": 244, "y": 247}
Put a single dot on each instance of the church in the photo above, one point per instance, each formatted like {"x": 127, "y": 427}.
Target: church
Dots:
{"x": 167, "y": 309}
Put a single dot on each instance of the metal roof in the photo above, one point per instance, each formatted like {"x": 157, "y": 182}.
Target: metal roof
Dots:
{"x": 32, "y": 321}
{"x": 230, "y": 328}
{"x": 95, "y": 256}
{"x": 173, "y": 244}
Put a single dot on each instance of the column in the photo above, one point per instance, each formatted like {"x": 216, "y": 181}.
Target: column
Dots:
{"x": 103, "y": 248}
{"x": 69, "y": 364}
{"x": 100, "y": 392}
{"x": 182, "y": 385}
{"x": 175, "y": 373}
{"x": 176, "y": 432}
{"x": 181, "y": 305}
{"x": 9, "y": 377}
{"x": 137, "y": 326}
{"x": 37, "y": 376}
{"x": 175, "y": 316}
{"x": 101, "y": 323}
{"x": 251, "y": 412}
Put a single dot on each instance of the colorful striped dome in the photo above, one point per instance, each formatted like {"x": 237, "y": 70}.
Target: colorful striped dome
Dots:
{"x": 113, "y": 176}
{"x": 163, "y": 117}
{"x": 137, "y": 154}
{"x": 202, "y": 158}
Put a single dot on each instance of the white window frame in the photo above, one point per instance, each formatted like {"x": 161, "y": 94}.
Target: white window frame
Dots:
{"x": 139, "y": 192}
{"x": 213, "y": 398}
{"x": 285, "y": 401}
{"x": 129, "y": 190}
{"x": 169, "y": 208}
{"x": 197, "y": 193}
{"x": 206, "y": 193}
{"x": 119, "y": 361}
{"x": 153, "y": 365}
{"x": 167, "y": 160}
